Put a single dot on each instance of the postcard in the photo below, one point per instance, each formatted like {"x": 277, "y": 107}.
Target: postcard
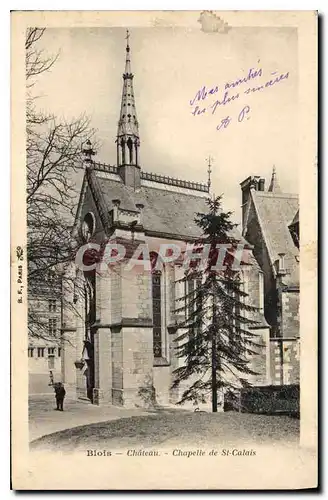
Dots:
{"x": 164, "y": 250}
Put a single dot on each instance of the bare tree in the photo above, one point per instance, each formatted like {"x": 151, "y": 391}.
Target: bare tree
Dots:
{"x": 54, "y": 154}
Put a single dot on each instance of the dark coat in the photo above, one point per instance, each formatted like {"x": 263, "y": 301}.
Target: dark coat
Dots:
{"x": 60, "y": 391}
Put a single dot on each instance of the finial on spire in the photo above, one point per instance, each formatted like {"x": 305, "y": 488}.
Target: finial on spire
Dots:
{"x": 209, "y": 171}
{"x": 274, "y": 184}
{"x": 127, "y": 38}
{"x": 88, "y": 152}
{"x": 127, "y": 139}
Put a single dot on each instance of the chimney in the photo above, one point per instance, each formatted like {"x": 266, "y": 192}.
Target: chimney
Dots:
{"x": 252, "y": 182}
{"x": 88, "y": 152}
{"x": 261, "y": 184}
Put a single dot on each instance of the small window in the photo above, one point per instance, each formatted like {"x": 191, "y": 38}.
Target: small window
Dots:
{"x": 261, "y": 292}
{"x": 30, "y": 352}
{"x": 40, "y": 352}
{"x": 51, "y": 351}
{"x": 52, "y": 305}
{"x": 52, "y": 326}
{"x": 59, "y": 352}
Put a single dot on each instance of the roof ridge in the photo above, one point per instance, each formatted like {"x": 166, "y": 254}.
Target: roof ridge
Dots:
{"x": 174, "y": 181}
{"x": 160, "y": 178}
{"x": 195, "y": 195}
{"x": 98, "y": 197}
{"x": 266, "y": 240}
{"x": 104, "y": 167}
{"x": 267, "y": 194}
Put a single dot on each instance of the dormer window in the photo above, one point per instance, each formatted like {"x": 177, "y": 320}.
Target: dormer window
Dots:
{"x": 295, "y": 230}
{"x": 261, "y": 291}
{"x": 88, "y": 227}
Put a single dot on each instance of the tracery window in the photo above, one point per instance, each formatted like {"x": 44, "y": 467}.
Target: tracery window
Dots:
{"x": 194, "y": 303}
{"x": 261, "y": 291}
{"x": 157, "y": 313}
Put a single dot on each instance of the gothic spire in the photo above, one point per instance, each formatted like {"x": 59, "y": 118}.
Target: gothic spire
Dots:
{"x": 209, "y": 171}
{"x": 128, "y": 130}
{"x": 274, "y": 184}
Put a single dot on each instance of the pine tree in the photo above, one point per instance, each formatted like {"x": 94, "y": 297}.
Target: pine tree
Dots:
{"x": 216, "y": 342}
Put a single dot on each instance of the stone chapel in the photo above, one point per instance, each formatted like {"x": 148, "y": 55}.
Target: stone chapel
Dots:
{"x": 118, "y": 334}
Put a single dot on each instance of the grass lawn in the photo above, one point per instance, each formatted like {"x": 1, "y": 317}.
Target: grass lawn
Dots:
{"x": 171, "y": 428}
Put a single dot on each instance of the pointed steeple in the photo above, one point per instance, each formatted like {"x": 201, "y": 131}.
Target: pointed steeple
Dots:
{"x": 128, "y": 141}
{"x": 209, "y": 171}
{"x": 274, "y": 184}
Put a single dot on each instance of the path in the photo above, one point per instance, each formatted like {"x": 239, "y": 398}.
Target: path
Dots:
{"x": 44, "y": 419}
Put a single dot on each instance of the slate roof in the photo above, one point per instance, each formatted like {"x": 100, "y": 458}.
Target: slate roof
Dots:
{"x": 165, "y": 212}
{"x": 276, "y": 212}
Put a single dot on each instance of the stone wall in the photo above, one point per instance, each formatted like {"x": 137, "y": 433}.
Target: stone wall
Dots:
{"x": 69, "y": 331}
{"x": 254, "y": 236}
{"x": 290, "y": 321}
{"x": 116, "y": 294}
{"x": 117, "y": 366}
{"x": 260, "y": 363}
{"x": 162, "y": 383}
{"x": 39, "y": 365}
{"x": 285, "y": 361}
{"x": 137, "y": 366}
{"x": 102, "y": 392}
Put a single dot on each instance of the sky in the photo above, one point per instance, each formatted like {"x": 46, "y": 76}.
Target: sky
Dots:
{"x": 170, "y": 66}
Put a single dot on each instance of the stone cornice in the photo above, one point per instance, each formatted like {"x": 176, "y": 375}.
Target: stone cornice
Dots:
{"x": 127, "y": 322}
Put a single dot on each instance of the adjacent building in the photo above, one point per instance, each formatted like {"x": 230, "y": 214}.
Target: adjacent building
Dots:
{"x": 271, "y": 225}
{"x": 44, "y": 345}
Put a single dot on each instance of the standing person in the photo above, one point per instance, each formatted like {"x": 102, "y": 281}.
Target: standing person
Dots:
{"x": 60, "y": 395}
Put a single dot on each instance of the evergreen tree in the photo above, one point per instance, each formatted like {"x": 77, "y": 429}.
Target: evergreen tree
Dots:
{"x": 216, "y": 342}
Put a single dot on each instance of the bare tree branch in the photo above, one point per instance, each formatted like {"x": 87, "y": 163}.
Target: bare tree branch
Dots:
{"x": 54, "y": 153}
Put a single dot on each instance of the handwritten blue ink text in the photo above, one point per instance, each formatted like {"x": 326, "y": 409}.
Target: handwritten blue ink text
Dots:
{"x": 225, "y": 122}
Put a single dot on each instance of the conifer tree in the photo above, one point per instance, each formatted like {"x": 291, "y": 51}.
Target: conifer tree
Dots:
{"x": 216, "y": 343}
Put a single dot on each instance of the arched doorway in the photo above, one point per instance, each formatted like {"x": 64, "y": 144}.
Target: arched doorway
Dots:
{"x": 90, "y": 317}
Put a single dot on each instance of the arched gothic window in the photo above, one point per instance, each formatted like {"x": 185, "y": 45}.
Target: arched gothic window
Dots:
{"x": 194, "y": 302}
{"x": 157, "y": 291}
{"x": 157, "y": 313}
{"x": 123, "y": 150}
{"x": 234, "y": 289}
{"x": 130, "y": 147}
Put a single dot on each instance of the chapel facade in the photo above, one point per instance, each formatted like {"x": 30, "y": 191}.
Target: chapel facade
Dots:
{"x": 119, "y": 323}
